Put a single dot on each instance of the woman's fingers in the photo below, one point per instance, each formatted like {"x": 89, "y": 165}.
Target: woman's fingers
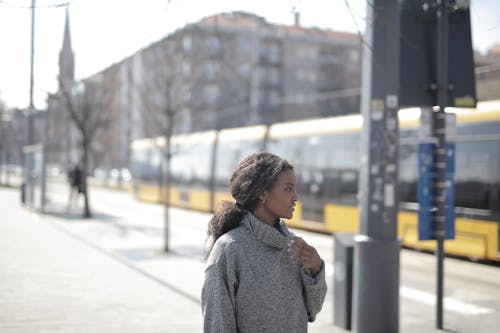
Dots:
{"x": 303, "y": 253}
{"x": 296, "y": 248}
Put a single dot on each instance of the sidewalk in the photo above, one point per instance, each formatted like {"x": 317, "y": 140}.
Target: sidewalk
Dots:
{"x": 61, "y": 273}
{"x": 52, "y": 282}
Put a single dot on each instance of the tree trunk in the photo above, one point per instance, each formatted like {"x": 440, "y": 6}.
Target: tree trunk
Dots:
{"x": 167, "y": 197}
{"x": 168, "y": 157}
{"x": 86, "y": 210}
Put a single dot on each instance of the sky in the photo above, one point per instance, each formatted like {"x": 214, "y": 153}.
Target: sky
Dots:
{"x": 106, "y": 31}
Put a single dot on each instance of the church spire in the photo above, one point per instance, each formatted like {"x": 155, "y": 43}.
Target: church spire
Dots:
{"x": 66, "y": 56}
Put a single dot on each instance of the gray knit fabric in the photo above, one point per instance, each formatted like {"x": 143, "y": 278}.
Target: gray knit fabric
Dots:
{"x": 251, "y": 285}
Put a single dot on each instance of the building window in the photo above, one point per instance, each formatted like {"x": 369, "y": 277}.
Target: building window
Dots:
{"x": 213, "y": 44}
{"x": 244, "y": 45}
{"x": 185, "y": 120}
{"x": 306, "y": 75}
{"x": 211, "y": 93}
{"x": 261, "y": 74}
{"x": 354, "y": 56}
{"x": 312, "y": 52}
{"x": 274, "y": 53}
{"x": 187, "y": 43}
{"x": 244, "y": 70}
{"x": 274, "y": 76}
{"x": 274, "y": 98}
{"x": 269, "y": 75}
{"x": 210, "y": 70}
{"x": 186, "y": 67}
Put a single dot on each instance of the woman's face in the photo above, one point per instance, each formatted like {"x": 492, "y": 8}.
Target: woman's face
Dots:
{"x": 280, "y": 200}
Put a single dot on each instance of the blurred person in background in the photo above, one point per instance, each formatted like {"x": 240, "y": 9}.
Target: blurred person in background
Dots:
{"x": 75, "y": 178}
{"x": 260, "y": 277}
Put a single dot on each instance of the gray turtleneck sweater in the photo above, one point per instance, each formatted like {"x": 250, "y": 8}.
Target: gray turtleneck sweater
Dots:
{"x": 251, "y": 285}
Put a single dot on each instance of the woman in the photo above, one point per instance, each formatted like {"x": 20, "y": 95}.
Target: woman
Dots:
{"x": 260, "y": 277}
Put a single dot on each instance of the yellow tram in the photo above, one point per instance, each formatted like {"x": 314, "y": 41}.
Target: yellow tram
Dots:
{"x": 326, "y": 156}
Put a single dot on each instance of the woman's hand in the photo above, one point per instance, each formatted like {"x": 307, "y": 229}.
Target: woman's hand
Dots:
{"x": 305, "y": 254}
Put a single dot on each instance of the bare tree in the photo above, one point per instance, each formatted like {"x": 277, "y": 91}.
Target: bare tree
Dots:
{"x": 86, "y": 102}
{"x": 181, "y": 81}
{"x": 196, "y": 79}
{"x": 163, "y": 91}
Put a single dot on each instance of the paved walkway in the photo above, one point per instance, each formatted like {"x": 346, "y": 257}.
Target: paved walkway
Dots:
{"x": 59, "y": 273}
{"x": 52, "y": 282}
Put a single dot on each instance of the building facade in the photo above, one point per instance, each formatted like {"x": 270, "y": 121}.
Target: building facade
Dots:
{"x": 227, "y": 70}
{"x": 237, "y": 69}
{"x": 488, "y": 74}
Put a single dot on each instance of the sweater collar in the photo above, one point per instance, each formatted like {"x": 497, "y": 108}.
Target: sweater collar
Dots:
{"x": 267, "y": 234}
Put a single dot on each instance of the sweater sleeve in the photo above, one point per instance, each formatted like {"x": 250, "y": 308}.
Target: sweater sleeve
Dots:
{"x": 218, "y": 299}
{"x": 314, "y": 291}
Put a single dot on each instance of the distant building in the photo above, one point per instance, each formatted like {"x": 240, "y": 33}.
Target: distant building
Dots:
{"x": 237, "y": 69}
{"x": 101, "y": 94}
{"x": 61, "y": 140}
{"x": 14, "y": 133}
{"x": 487, "y": 69}
{"x": 66, "y": 57}
{"x": 230, "y": 70}
{"x": 494, "y": 52}
{"x": 279, "y": 72}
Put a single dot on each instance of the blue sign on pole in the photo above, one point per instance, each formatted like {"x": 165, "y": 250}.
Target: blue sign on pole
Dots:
{"x": 425, "y": 195}
{"x": 450, "y": 192}
{"x": 426, "y": 159}
{"x": 427, "y": 208}
{"x": 450, "y": 158}
{"x": 425, "y": 224}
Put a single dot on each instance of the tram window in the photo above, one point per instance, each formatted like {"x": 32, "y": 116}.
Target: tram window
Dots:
{"x": 296, "y": 151}
{"x": 349, "y": 180}
{"x": 229, "y": 154}
{"x": 333, "y": 151}
{"x": 476, "y": 172}
{"x": 146, "y": 163}
{"x": 191, "y": 164}
{"x": 175, "y": 165}
{"x": 289, "y": 149}
{"x": 138, "y": 164}
{"x": 202, "y": 156}
{"x": 478, "y": 129}
{"x": 408, "y": 133}
{"x": 321, "y": 163}
{"x": 180, "y": 167}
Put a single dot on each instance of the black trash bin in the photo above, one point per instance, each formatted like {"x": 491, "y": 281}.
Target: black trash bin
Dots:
{"x": 344, "y": 249}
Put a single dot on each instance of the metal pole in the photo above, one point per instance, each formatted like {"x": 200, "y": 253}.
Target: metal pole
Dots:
{"x": 32, "y": 62}
{"x": 439, "y": 132}
{"x": 28, "y": 188}
{"x": 376, "y": 250}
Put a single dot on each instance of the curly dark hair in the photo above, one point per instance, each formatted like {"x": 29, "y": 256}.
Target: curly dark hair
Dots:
{"x": 254, "y": 175}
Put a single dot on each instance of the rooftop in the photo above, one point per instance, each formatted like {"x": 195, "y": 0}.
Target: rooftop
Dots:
{"x": 246, "y": 20}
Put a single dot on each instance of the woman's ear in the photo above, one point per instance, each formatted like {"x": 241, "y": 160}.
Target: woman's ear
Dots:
{"x": 262, "y": 197}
